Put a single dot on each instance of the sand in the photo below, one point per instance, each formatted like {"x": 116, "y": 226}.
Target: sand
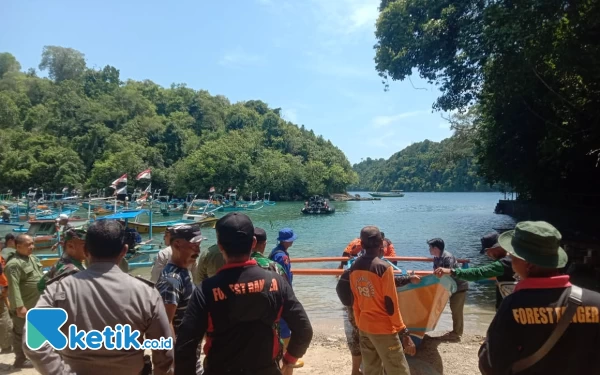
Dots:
{"x": 328, "y": 354}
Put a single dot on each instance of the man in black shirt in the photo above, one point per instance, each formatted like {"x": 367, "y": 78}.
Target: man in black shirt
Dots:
{"x": 238, "y": 310}
{"x": 528, "y": 316}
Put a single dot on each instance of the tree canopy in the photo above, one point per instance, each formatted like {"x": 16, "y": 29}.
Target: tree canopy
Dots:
{"x": 83, "y": 127}
{"x": 447, "y": 166}
{"x": 531, "y": 68}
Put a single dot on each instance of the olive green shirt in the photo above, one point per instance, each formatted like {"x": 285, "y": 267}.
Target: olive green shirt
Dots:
{"x": 23, "y": 274}
{"x": 209, "y": 262}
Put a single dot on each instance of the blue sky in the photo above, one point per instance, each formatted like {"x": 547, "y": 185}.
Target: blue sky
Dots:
{"x": 312, "y": 58}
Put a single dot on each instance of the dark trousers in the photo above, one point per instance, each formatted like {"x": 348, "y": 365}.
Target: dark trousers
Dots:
{"x": 18, "y": 326}
{"x": 457, "y": 305}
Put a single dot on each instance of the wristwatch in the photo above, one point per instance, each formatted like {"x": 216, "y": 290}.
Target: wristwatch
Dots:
{"x": 404, "y": 333}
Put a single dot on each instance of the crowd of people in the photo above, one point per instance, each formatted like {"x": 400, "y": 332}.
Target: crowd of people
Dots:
{"x": 239, "y": 303}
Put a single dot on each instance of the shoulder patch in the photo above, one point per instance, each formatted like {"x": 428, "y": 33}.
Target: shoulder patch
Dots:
{"x": 62, "y": 276}
{"x": 145, "y": 281}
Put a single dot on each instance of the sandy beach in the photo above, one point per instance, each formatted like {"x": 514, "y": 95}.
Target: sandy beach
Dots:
{"x": 328, "y": 354}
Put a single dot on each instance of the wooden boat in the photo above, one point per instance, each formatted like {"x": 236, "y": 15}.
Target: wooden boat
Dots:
{"x": 161, "y": 226}
{"x": 125, "y": 217}
{"x": 388, "y": 194}
{"x": 422, "y": 304}
{"x": 267, "y": 199}
{"x": 43, "y": 232}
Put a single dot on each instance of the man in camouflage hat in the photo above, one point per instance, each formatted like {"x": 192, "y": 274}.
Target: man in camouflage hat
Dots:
{"x": 71, "y": 260}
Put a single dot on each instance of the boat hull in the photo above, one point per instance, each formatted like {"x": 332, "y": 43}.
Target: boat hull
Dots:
{"x": 421, "y": 305}
{"x": 309, "y": 211}
{"x": 386, "y": 195}
{"x": 144, "y": 228}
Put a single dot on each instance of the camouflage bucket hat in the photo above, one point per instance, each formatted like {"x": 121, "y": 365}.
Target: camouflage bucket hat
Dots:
{"x": 536, "y": 242}
{"x": 78, "y": 233}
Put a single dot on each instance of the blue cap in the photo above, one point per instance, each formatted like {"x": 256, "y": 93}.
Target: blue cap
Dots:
{"x": 286, "y": 235}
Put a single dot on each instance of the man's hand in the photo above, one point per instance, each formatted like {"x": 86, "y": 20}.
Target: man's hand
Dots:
{"x": 442, "y": 271}
{"x": 415, "y": 279}
{"x": 409, "y": 346}
{"x": 21, "y": 312}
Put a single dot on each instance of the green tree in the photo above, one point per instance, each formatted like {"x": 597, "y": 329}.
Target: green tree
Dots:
{"x": 62, "y": 63}
{"x": 8, "y": 63}
{"x": 528, "y": 65}
{"x": 85, "y": 127}
{"x": 9, "y": 112}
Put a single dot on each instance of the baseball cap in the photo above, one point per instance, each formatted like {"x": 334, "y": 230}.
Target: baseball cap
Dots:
{"x": 235, "y": 230}
{"x": 188, "y": 232}
{"x": 260, "y": 234}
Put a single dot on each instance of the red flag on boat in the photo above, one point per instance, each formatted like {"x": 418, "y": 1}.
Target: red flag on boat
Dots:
{"x": 212, "y": 189}
{"x": 120, "y": 179}
{"x": 144, "y": 175}
{"x": 122, "y": 190}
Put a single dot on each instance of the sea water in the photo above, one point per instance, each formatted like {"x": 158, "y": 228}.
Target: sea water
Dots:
{"x": 460, "y": 219}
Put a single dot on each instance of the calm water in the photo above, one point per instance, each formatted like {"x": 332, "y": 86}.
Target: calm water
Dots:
{"x": 459, "y": 218}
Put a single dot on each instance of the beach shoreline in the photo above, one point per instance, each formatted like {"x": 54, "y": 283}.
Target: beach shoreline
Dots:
{"x": 329, "y": 354}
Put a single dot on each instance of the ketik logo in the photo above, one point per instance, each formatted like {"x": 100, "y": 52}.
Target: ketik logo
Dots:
{"x": 43, "y": 325}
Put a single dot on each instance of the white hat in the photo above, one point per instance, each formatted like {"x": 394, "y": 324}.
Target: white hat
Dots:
{"x": 63, "y": 217}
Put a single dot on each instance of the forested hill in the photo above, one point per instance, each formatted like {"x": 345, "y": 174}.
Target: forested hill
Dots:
{"x": 83, "y": 128}
{"x": 423, "y": 166}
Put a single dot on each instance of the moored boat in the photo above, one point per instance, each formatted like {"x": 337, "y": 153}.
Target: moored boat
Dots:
{"x": 388, "y": 194}
{"x": 205, "y": 221}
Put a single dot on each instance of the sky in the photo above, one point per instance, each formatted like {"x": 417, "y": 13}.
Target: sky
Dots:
{"x": 314, "y": 59}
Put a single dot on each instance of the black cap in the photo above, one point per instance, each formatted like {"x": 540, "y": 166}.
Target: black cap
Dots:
{"x": 260, "y": 234}
{"x": 188, "y": 232}
{"x": 488, "y": 241}
{"x": 235, "y": 230}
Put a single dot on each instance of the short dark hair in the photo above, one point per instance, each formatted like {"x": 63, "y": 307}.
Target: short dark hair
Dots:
{"x": 371, "y": 238}
{"x": 8, "y": 237}
{"x": 382, "y": 235}
{"x": 105, "y": 239}
{"x": 436, "y": 242}
{"x": 21, "y": 238}
{"x": 260, "y": 234}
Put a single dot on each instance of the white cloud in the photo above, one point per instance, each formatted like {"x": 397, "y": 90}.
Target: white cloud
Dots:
{"x": 238, "y": 58}
{"x": 290, "y": 114}
{"x": 381, "y": 141}
{"x": 346, "y": 16}
{"x": 385, "y": 121}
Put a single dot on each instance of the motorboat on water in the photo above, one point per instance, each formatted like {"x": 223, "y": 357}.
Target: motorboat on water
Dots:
{"x": 317, "y": 205}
